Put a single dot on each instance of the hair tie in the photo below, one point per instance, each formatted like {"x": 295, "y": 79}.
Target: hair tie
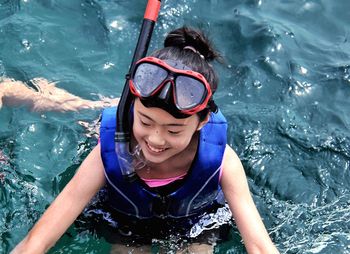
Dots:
{"x": 195, "y": 51}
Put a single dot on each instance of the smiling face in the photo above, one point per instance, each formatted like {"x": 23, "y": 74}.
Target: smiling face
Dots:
{"x": 160, "y": 135}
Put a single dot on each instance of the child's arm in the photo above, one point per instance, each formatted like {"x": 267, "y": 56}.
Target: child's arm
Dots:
{"x": 66, "y": 207}
{"x": 48, "y": 97}
{"x": 236, "y": 190}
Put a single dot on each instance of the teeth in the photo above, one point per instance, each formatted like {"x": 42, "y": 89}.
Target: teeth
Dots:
{"x": 156, "y": 150}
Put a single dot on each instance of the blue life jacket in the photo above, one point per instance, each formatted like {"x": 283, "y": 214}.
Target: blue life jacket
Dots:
{"x": 200, "y": 189}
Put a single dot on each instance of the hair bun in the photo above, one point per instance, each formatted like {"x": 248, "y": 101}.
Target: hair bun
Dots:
{"x": 190, "y": 37}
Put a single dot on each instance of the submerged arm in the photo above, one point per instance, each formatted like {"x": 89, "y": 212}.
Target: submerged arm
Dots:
{"x": 236, "y": 190}
{"x": 66, "y": 207}
{"x": 47, "y": 98}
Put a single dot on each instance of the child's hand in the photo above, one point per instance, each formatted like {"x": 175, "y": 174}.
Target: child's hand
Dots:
{"x": 15, "y": 93}
{"x": 3, "y": 88}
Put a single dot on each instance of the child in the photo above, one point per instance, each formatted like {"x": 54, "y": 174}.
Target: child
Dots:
{"x": 187, "y": 164}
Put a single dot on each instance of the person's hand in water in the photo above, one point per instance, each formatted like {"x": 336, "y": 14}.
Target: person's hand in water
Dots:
{"x": 46, "y": 97}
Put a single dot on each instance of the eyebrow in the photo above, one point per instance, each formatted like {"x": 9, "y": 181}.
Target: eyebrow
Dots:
{"x": 169, "y": 124}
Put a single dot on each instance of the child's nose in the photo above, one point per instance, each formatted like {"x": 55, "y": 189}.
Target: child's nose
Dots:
{"x": 156, "y": 139}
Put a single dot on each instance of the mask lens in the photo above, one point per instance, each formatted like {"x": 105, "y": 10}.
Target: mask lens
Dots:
{"x": 189, "y": 92}
{"x": 148, "y": 77}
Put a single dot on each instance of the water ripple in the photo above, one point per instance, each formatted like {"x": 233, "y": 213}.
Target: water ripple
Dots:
{"x": 302, "y": 228}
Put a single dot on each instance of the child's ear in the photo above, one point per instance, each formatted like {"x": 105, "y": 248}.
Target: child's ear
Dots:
{"x": 204, "y": 122}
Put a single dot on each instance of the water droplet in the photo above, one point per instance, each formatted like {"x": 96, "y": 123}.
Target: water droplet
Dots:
{"x": 114, "y": 24}
{"x": 279, "y": 46}
{"x": 257, "y": 84}
{"x": 107, "y": 65}
{"x": 26, "y": 44}
{"x": 291, "y": 34}
{"x": 31, "y": 128}
{"x": 303, "y": 70}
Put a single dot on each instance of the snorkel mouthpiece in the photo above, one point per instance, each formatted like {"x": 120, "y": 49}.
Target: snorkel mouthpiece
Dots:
{"x": 129, "y": 161}
{"x": 124, "y": 156}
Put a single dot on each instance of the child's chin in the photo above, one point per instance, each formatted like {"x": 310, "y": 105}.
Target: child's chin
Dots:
{"x": 154, "y": 158}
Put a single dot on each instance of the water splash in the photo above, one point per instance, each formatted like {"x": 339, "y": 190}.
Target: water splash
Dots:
{"x": 212, "y": 220}
{"x": 300, "y": 88}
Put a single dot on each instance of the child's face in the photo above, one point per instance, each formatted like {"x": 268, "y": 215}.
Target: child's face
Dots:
{"x": 159, "y": 134}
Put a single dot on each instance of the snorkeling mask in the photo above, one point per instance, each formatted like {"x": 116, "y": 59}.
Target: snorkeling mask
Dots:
{"x": 170, "y": 85}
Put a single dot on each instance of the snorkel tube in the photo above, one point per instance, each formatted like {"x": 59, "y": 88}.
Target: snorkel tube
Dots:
{"x": 122, "y": 135}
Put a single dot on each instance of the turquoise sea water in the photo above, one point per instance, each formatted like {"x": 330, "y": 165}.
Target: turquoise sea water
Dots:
{"x": 284, "y": 89}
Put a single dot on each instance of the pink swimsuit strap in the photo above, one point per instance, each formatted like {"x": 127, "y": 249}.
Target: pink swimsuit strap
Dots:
{"x": 161, "y": 182}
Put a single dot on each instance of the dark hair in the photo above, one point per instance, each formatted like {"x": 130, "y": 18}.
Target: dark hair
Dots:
{"x": 199, "y": 61}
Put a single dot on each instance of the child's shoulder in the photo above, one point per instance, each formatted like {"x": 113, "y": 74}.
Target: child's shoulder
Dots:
{"x": 231, "y": 158}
